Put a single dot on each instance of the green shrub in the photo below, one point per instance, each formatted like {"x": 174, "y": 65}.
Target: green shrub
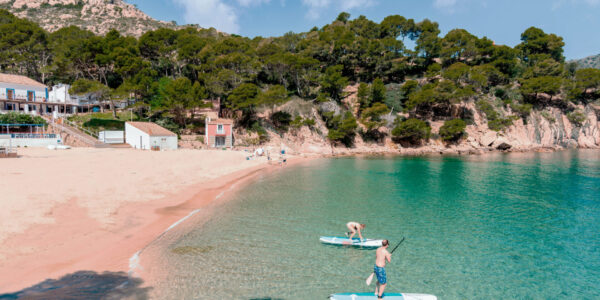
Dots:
{"x": 341, "y": 128}
{"x": 18, "y": 118}
{"x": 297, "y": 122}
{"x": 576, "y": 117}
{"x": 487, "y": 109}
{"x": 500, "y": 93}
{"x": 495, "y": 121}
{"x": 500, "y": 124}
{"x": 168, "y": 124}
{"x": 548, "y": 116}
{"x": 263, "y": 135}
{"x": 309, "y": 122}
{"x": 453, "y": 130}
{"x": 281, "y": 120}
{"x": 105, "y": 124}
{"x": 411, "y": 130}
{"x": 522, "y": 109}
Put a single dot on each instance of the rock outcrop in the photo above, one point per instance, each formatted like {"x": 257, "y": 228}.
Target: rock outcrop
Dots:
{"x": 98, "y": 16}
{"x": 542, "y": 131}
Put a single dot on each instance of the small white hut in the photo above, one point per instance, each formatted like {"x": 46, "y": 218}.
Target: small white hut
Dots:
{"x": 147, "y": 136}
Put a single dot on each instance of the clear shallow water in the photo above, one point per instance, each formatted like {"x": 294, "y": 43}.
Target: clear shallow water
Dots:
{"x": 504, "y": 226}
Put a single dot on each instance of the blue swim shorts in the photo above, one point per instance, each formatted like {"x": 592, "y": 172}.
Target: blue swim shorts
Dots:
{"x": 380, "y": 273}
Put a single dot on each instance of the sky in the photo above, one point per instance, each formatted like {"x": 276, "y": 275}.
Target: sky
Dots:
{"x": 503, "y": 21}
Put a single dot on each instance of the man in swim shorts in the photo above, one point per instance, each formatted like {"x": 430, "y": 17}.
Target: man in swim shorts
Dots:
{"x": 381, "y": 256}
{"x": 354, "y": 228}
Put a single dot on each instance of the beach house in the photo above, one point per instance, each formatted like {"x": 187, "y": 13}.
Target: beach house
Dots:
{"x": 219, "y": 133}
{"x": 20, "y": 93}
{"x": 149, "y": 136}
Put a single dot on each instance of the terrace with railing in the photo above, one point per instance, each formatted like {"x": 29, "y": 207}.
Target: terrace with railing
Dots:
{"x": 33, "y": 135}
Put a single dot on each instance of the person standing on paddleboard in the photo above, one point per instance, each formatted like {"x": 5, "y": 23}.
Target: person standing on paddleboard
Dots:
{"x": 381, "y": 256}
{"x": 354, "y": 227}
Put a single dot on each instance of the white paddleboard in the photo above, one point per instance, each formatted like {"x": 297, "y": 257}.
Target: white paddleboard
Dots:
{"x": 389, "y": 296}
{"x": 356, "y": 242}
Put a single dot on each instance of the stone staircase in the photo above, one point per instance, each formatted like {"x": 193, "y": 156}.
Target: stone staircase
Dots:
{"x": 72, "y": 135}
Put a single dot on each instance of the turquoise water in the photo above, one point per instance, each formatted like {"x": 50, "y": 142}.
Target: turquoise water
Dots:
{"x": 499, "y": 226}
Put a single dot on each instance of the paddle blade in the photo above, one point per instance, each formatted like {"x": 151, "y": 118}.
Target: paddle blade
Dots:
{"x": 370, "y": 279}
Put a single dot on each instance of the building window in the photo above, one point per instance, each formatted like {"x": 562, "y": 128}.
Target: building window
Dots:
{"x": 30, "y": 96}
{"x": 220, "y": 129}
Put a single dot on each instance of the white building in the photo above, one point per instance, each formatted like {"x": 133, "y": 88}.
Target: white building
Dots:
{"x": 60, "y": 94}
{"x": 20, "y": 93}
{"x": 147, "y": 135}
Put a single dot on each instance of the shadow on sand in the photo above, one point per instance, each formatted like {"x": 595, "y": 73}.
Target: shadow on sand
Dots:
{"x": 85, "y": 285}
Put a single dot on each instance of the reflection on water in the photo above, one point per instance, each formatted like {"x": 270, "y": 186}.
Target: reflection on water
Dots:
{"x": 516, "y": 226}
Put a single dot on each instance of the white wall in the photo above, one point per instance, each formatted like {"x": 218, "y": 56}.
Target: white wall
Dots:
{"x": 132, "y": 137}
{"x": 60, "y": 94}
{"x": 164, "y": 142}
{"x": 21, "y": 91}
{"x": 112, "y": 137}
{"x": 35, "y": 143}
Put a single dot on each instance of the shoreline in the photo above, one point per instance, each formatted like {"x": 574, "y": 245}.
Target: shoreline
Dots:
{"x": 78, "y": 242}
{"x": 442, "y": 151}
{"x": 146, "y": 263}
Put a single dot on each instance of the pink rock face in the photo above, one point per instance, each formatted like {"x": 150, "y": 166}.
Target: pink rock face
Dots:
{"x": 98, "y": 16}
{"x": 37, "y": 3}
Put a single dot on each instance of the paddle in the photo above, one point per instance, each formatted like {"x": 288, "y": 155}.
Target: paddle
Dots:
{"x": 370, "y": 278}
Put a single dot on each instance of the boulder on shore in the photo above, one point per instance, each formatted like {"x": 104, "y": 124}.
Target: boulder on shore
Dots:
{"x": 488, "y": 138}
{"x": 501, "y": 144}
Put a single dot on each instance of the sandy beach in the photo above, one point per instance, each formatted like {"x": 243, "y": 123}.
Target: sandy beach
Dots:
{"x": 92, "y": 209}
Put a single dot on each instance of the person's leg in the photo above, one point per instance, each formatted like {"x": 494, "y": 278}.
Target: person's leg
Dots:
{"x": 382, "y": 278}
{"x": 377, "y": 288}
{"x": 381, "y": 290}
{"x": 352, "y": 231}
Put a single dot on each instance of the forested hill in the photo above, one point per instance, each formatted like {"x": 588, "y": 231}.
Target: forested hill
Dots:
{"x": 98, "y": 16}
{"x": 588, "y": 62}
{"x": 399, "y": 91}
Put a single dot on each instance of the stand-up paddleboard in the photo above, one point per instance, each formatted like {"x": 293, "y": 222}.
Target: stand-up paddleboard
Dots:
{"x": 388, "y": 296}
{"x": 356, "y": 242}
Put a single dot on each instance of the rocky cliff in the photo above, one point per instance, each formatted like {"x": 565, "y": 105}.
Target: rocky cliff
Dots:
{"x": 545, "y": 130}
{"x": 98, "y": 16}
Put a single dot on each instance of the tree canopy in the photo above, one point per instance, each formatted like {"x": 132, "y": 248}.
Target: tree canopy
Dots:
{"x": 171, "y": 71}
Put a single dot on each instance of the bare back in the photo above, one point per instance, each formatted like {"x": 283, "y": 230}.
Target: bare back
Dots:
{"x": 381, "y": 256}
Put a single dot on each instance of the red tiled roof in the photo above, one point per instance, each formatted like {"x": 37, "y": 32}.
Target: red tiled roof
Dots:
{"x": 220, "y": 121}
{"x": 151, "y": 129}
{"x": 18, "y": 79}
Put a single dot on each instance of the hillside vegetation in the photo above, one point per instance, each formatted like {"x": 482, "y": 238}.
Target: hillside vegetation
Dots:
{"x": 395, "y": 92}
{"x": 588, "y": 62}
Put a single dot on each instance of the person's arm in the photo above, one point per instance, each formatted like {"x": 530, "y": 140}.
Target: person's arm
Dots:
{"x": 359, "y": 234}
{"x": 389, "y": 257}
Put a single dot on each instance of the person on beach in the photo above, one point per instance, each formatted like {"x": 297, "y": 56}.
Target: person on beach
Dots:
{"x": 381, "y": 256}
{"x": 354, "y": 228}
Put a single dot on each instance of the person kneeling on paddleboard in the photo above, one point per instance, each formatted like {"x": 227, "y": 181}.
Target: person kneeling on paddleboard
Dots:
{"x": 354, "y": 227}
{"x": 381, "y": 256}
